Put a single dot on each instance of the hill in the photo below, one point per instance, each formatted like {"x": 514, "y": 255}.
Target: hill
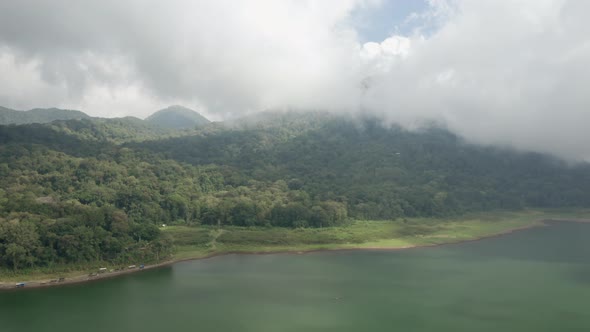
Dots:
{"x": 115, "y": 130}
{"x": 38, "y": 115}
{"x": 94, "y": 189}
{"x": 177, "y": 117}
{"x": 384, "y": 173}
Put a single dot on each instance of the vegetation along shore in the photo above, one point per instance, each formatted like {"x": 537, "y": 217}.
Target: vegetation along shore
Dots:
{"x": 206, "y": 241}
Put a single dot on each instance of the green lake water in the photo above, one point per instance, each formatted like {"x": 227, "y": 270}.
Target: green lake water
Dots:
{"x": 533, "y": 280}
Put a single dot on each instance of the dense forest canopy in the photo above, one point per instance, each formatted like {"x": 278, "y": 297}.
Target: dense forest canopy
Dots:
{"x": 97, "y": 189}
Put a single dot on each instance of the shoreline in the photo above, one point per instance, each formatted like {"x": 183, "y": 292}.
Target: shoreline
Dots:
{"x": 47, "y": 283}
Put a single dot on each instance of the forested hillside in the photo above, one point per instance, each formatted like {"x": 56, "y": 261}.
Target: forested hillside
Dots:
{"x": 96, "y": 189}
{"x": 383, "y": 172}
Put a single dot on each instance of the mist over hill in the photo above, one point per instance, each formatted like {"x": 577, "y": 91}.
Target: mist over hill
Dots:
{"x": 111, "y": 181}
{"x": 374, "y": 171}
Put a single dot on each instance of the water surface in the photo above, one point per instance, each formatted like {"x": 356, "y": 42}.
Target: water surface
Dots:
{"x": 534, "y": 280}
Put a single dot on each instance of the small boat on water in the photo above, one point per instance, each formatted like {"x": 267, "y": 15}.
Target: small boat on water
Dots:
{"x": 20, "y": 285}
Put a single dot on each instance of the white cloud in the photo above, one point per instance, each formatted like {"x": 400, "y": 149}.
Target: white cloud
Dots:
{"x": 497, "y": 71}
{"x": 502, "y": 72}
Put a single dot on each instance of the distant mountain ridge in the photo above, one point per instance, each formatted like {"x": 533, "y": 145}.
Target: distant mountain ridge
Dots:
{"x": 177, "y": 117}
{"x": 38, "y": 115}
{"x": 171, "y": 118}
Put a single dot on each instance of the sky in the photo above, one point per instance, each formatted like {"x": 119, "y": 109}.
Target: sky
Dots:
{"x": 505, "y": 72}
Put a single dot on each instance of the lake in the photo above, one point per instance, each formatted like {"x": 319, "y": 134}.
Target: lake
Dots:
{"x": 533, "y": 280}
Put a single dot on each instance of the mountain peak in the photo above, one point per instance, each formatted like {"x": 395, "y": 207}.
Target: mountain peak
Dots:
{"x": 177, "y": 117}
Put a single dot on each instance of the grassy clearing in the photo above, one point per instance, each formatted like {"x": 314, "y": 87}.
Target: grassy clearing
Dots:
{"x": 203, "y": 241}
{"x": 361, "y": 234}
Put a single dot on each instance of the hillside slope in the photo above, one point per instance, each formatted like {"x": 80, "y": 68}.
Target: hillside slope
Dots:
{"x": 94, "y": 190}
{"x": 386, "y": 172}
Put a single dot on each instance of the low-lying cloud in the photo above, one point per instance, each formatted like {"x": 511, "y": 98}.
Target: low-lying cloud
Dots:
{"x": 497, "y": 72}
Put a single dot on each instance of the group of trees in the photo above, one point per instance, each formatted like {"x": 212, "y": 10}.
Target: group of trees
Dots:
{"x": 86, "y": 190}
{"x": 71, "y": 232}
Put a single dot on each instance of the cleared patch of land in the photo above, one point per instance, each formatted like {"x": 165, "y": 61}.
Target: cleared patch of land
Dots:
{"x": 193, "y": 242}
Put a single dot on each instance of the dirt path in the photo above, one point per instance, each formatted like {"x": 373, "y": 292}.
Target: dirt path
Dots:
{"x": 214, "y": 234}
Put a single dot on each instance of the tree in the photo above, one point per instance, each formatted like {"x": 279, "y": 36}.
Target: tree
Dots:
{"x": 20, "y": 241}
{"x": 16, "y": 255}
